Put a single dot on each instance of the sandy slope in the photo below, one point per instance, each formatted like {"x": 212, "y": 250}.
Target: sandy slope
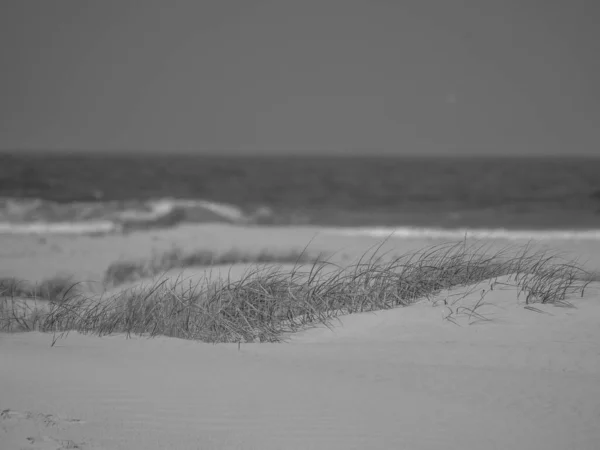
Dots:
{"x": 404, "y": 378}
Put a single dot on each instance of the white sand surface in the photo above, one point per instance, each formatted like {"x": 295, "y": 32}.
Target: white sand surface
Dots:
{"x": 400, "y": 379}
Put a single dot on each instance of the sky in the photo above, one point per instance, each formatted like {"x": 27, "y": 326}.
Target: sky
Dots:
{"x": 400, "y": 77}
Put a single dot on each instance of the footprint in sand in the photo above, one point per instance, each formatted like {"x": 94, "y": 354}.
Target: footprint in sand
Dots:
{"x": 36, "y": 431}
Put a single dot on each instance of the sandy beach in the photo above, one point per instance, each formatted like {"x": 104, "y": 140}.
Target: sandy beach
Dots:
{"x": 316, "y": 225}
{"x": 508, "y": 377}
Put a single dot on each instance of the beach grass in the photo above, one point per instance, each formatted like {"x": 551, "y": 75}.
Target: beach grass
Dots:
{"x": 270, "y": 301}
{"x": 53, "y": 289}
{"x": 23, "y": 305}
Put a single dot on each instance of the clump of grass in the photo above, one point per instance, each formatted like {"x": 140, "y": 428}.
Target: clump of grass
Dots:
{"x": 13, "y": 287}
{"x": 269, "y": 302}
{"x": 121, "y": 272}
{"x": 56, "y": 289}
{"x": 53, "y": 289}
{"x": 24, "y": 306}
{"x": 18, "y": 314}
{"x": 126, "y": 271}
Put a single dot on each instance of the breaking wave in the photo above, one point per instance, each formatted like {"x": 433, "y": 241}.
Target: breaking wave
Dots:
{"x": 461, "y": 233}
{"x": 36, "y": 216}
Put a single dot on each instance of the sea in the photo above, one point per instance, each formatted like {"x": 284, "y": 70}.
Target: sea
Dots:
{"x": 104, "y": 192}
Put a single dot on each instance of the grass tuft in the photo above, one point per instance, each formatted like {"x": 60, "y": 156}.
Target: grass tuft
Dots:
{"x": 24, "y": 306}
{"x": 269, "y": 302}
{"x": 53, "y": 289}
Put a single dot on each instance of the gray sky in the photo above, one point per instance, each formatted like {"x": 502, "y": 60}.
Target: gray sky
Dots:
{"x": 397, "y": 76}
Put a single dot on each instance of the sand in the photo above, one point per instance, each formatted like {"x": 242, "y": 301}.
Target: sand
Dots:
{"x": 404, "y": 378}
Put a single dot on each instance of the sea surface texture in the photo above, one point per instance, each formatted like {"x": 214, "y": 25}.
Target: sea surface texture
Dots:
{"x": 100, "y": 192}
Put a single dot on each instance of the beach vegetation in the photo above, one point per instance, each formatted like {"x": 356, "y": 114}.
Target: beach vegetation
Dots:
{"x": 271, "y": 301}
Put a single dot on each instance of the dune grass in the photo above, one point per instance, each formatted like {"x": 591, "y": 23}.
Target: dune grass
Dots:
{"x": 52, "y": 289}
{"x": 269, "y": 302}
{"x": 24, "y": 305}
{"x": 121, "y": 272}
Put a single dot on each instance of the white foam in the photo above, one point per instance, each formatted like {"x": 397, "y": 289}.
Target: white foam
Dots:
{"x": 158, "y": 209}
{"x": 102, "y": 226}
{"x": 460, "y": 233}
{"x": 230, "y": 212}
{"x": 164, "y": 207}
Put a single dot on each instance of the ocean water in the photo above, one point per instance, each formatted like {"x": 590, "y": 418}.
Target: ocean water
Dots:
{"x": 102, "y": 192}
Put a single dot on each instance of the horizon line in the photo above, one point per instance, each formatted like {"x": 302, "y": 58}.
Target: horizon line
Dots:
{"x": 297, "y": 153}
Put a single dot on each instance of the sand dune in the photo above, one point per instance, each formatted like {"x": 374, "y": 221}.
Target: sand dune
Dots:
{"x": 403, "y": 378}
{"x": 450, "y": 372}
